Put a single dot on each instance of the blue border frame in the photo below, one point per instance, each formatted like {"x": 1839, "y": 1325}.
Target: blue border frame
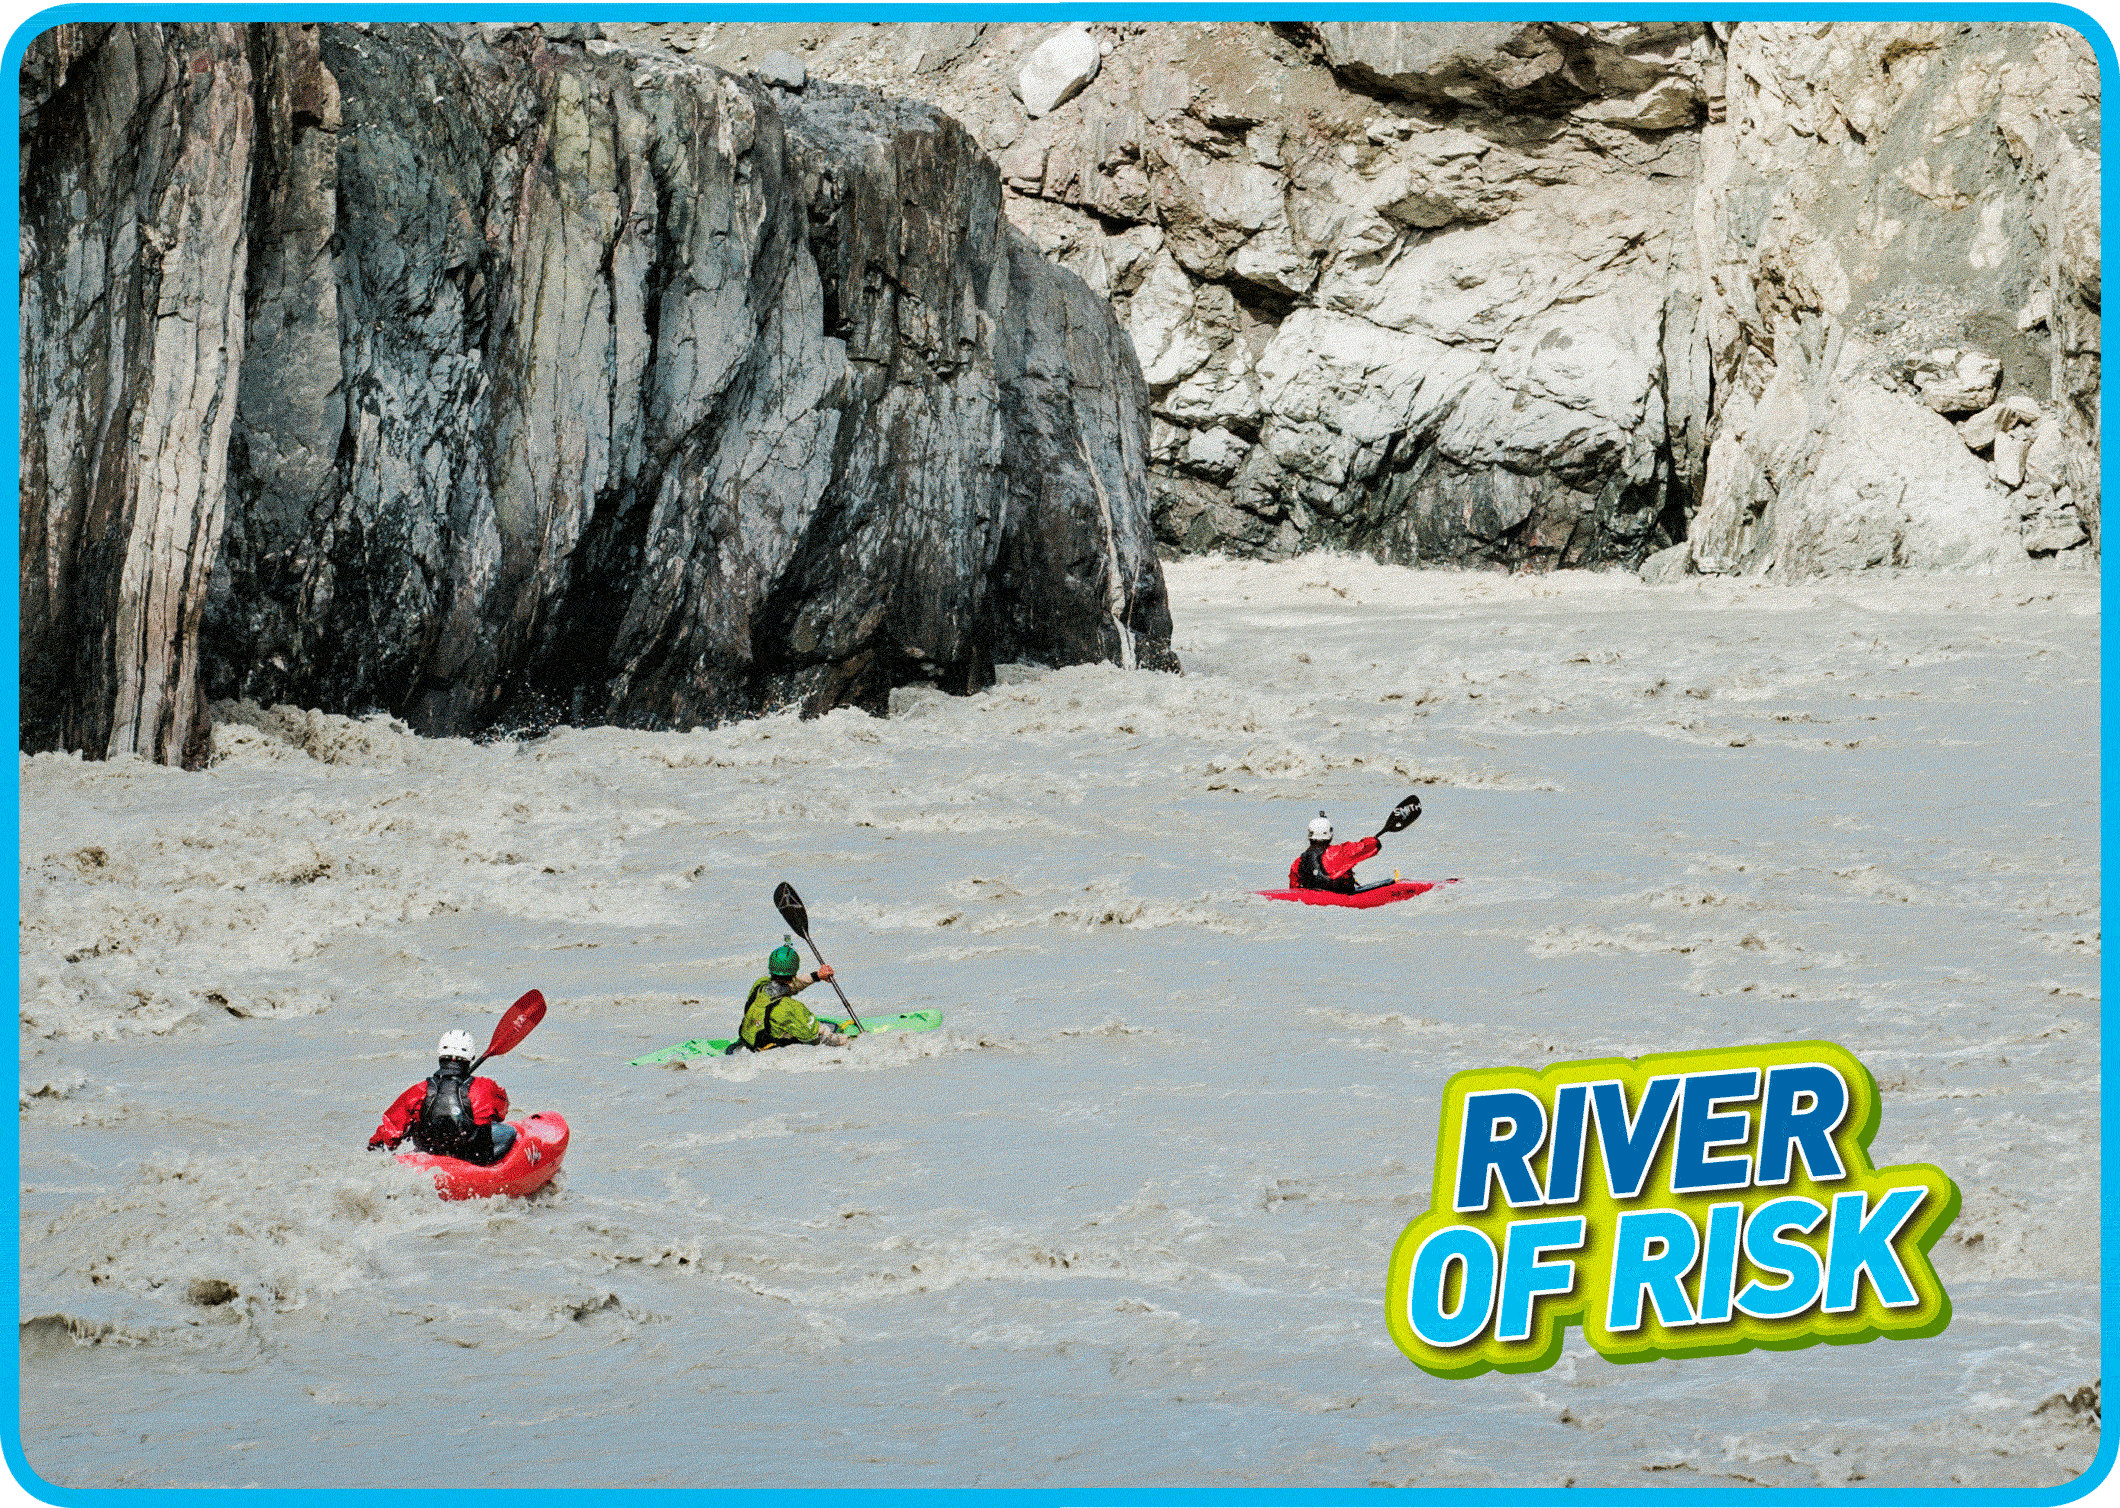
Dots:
{"x": 2091, "y": 1481}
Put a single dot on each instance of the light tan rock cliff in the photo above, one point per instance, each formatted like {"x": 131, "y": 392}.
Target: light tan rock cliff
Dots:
{"x": 1539, "y": 293}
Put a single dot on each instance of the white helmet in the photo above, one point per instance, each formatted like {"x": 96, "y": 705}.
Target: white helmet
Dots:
{"x": 456, "y": 1045}
{"x": 1321, "y": 830}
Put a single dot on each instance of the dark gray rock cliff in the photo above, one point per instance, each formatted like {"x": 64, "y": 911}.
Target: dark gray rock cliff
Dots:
{"x": 552, "y": 381}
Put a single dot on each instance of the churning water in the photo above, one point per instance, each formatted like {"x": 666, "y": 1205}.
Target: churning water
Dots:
{"x": 1124, "y": 1220}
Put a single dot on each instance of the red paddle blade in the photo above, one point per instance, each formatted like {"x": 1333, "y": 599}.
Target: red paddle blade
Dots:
{"x": 519, "y": 1021}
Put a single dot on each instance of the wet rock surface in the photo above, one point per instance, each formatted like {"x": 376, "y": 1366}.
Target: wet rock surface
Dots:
{"x": 132, "y": 332}
{"x": 1902, "y": 316}
{"x": 1494, "y": 293}
{"x": 560, "y": 382}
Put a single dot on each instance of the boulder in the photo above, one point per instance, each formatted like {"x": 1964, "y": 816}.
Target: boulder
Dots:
{"x": 2016, "y": 410}
{"x": 1823, "y": 476}
{"x": 1672, "y": 563}
{"x": 2049, "y": 534}
{"x": 1218, "y": 452}
{"x": 1061, "y": 68}
{"x": 1957, "y": 382}
{"x": 2046, "y": 455}
{"x": 2009, "y": 458}
{"x": 1980, "y": 430}
{"x": 782, "y": 70}
{"x": 1666, "y": 105}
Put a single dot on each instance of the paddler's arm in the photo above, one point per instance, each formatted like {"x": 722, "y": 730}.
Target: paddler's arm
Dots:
{"x": 397, "y": 1120}
{"x": 826, "y": 1037}
{"x": 802, "y": 982}
{"x": 1340, "y": 859}
{"x": 792, "y": 1022}
{"x": 489, "y": 1102}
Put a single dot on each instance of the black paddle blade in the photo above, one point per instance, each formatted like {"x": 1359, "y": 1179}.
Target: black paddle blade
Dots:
{"x": 790, "y": 907}
{"x": 1403, "y": 816}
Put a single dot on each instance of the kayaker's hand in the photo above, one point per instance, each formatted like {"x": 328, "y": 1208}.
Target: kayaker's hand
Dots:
{"x": 824, "y": 971}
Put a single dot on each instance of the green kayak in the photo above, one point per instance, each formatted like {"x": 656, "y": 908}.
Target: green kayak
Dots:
{"x": 714, "y": 1047}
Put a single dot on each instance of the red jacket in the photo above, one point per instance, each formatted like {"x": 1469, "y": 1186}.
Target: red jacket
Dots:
{"x": 489, "y": 1105}
{"x": 1339, "y": 861}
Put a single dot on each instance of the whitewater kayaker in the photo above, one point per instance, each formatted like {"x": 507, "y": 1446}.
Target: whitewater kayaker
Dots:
{"x": 1325, "y": 865}
{"x": 451, "y": 1114}
{"x": 773, "y": 1017}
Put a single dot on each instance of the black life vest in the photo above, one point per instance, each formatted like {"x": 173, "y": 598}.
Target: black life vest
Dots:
{"x": 447, "y": 1126}
{"x": 1311, "y": 875}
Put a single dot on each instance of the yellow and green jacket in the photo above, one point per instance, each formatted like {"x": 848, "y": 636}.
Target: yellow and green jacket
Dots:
{"x": 773, "y": 1017}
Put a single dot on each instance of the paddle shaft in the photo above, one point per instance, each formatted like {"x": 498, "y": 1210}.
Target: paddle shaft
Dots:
{"x": 797, "y": 916}
{"x": 842, "y": 994}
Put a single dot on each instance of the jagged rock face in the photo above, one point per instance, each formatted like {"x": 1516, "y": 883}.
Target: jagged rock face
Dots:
{"x": 1448, "y": 320}
{"x": 1471, "y": 291}
{"x": 132, "y": 331}
{"x": 1900, "y": 229}
{"x": 1420, "y": 289}
{"x": 1437, "y": 336}
{"x": 584, "y": 385}
{"x": 1636, "y": 73}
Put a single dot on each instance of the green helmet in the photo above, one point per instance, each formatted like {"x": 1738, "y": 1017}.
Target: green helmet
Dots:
{"x": 785, "y": 960}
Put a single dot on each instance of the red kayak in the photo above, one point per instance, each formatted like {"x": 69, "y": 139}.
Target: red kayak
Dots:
{"x": 540, "y": 1143}
{"x": 1383, "y": 895}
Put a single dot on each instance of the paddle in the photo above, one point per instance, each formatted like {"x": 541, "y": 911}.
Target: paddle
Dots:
{"x": 1403, "y": 816}
{"x": 516, "y": 1023}
{"x": 791, "y": 910}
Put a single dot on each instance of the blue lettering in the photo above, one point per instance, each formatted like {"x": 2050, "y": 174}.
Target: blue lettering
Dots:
{"x": 1636, "y": 1270}
{"x": 1718, "y": 1269}
{"x": 1486, "y": 1150}
{"x": 1524, "y": 1276}
{"x": 1868, "y": 1247}
{"x": 1564, "y": 1167}
{"x": 1808, "y": 1127}
{"x": 1629, "y": 1146}
{"x": 1788, "y": 1259}
{"x": 1473, "y": 1254}
{"x": 1693, "y": 1171}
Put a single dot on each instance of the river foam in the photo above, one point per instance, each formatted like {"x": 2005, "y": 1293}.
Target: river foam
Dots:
{"x": 1124, "y": 1219}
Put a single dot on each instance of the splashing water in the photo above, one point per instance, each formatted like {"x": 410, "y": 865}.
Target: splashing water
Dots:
{"x": 1124, "y": 1219}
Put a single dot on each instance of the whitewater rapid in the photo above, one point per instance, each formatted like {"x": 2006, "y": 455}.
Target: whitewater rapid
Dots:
{"x": 1124, "y": 1220}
